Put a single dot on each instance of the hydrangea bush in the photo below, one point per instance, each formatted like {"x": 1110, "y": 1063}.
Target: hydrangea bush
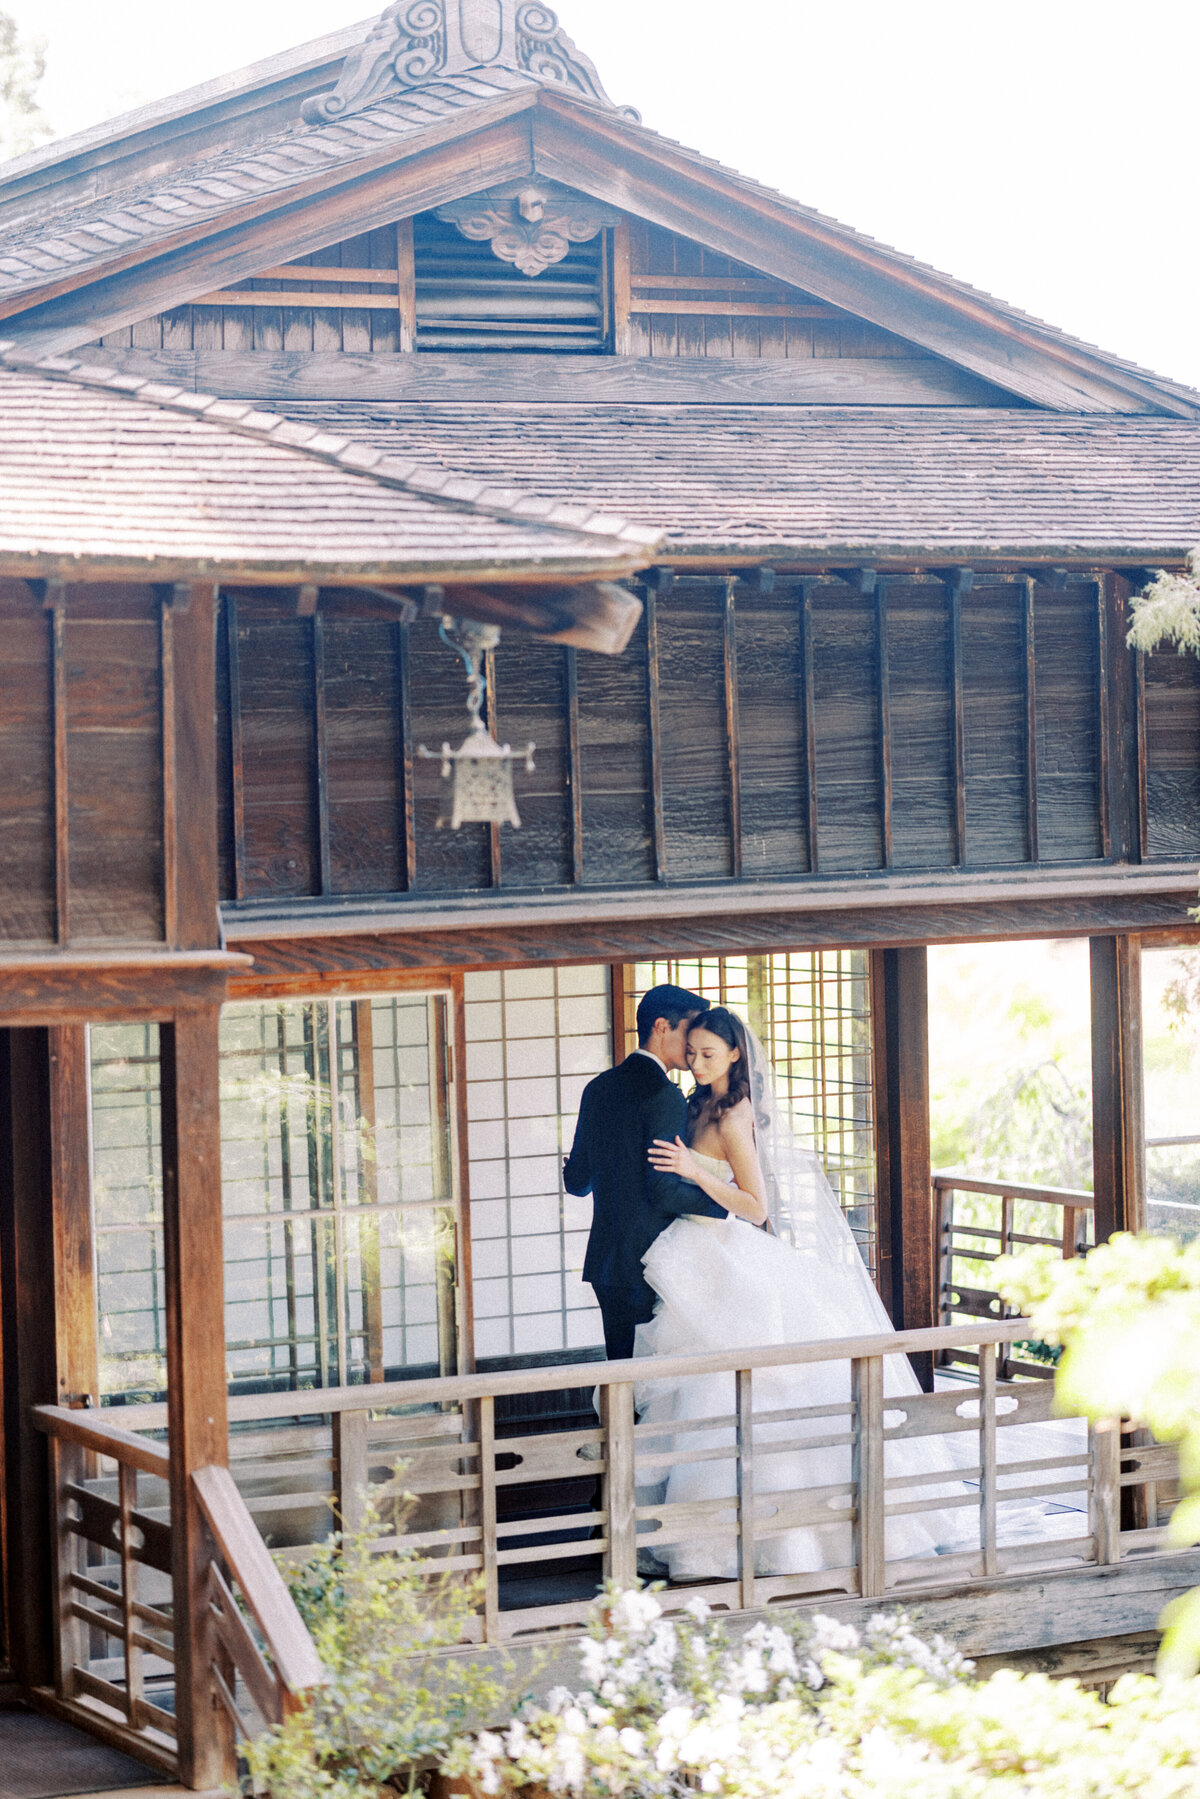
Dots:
{"x": 815, "y": 1710}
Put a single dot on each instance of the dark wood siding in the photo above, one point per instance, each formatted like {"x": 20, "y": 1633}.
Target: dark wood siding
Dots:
{"x": 1172, "y": 723}
{"x": 26, "y": 769}
{"x": 1030, "y": 759}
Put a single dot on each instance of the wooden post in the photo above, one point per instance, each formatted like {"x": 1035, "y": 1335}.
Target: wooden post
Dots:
{"x": 1104, "y": 1443}
{"x": 27, "y": 1261}
{"x": 902, "y": 1132}
{"x": 620, "y": 1563}
{"x": 1118, "y": 1138}
{"x": 196, "y": 1378}
{"x": 987, "y": 1457}
{"x": 351, "y": 1469}
{"x": 870, "y": 1553}
{"x": 77, "y": 1373}
{"x": 745, "y": 1440}
{"x": 487, "y": 1519}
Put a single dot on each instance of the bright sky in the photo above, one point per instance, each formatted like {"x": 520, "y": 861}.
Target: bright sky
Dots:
{"x": 1042, "y": 149}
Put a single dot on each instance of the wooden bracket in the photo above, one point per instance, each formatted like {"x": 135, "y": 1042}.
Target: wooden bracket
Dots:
{"x": 864, "y": 579}
{"x": 306, "y": 600}
{"x": 660, "y": 580}
{"x": 53, "y": 595}
{"x": 766, "y": 580}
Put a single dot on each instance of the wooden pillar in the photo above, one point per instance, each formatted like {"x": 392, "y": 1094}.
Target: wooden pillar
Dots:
{"x": 196, "y": 1379}
{"x": 1118, "y": 1131}
{"x": 49, "y": 1301}
{"x": 900, "y": 993}
{"x": 27, "y": 1259}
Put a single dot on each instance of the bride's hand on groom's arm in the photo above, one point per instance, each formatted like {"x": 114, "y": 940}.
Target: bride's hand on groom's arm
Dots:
{"x": 673, "y": 1158}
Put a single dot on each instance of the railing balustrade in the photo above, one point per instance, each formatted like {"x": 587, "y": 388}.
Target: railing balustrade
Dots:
{"x": 1065, "y": 1215}
{"x": 114, "y": 1616}
{"x": 1049, "y": 1497}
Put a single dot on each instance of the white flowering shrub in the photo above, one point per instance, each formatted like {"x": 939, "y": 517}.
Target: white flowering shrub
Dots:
{"x": 1128, "y": 1317}
{"x": 1168, "y": 610}
{"x": 815, "y": 1710}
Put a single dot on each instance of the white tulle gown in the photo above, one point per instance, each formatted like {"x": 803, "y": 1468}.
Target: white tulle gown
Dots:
{"x": 724, "y": 1285}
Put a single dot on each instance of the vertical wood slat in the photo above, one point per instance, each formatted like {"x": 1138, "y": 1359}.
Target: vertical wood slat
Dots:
{"x": 237, "y": 764}
{"x": 351, "y": 1469}
{"x": 1105, "y": 770}
{"x": 1139, "y": 702}
{"x": 55, "y": 603}
{"x": 657, "y": 819}
{"x": 170, "y": 795}
{"x": 867, "y": 1475}
{"x": 66, "y": 1469}
{"x": 1104, "y": 1498}
{"x": 958, "y": 586}
{"x": 884, "y": 702}
{"x": 408, "y": 809}
{"x": 808, "y": 708}
{"x": 487, "y": 1519}
{"x": 495, "y": 853}
{"x": 406, "y": 286}
{"x": 574, "y": 759}
{"x": 732, "y": 733}
{"x": 987, "y": 1457}
{"x": 744, "y": 1379}
{"x": 461, "y": 1174}
{"x": 135, "y": 1684}
{"x": 621, "y": 283}
{"x": 77, "y": 1362}
{"x": 1118, "y": 1142}
{"x": 193, "y": 634}
{"x": 1029, "y": 628}
{"x": 320, "y": 753}
{"x": 620, "y": 1561}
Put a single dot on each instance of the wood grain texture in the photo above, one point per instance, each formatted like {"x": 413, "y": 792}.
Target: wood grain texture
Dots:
{"x": 77, "y": 1378}
{"x": 906, "y": 1002}
{"x": 195, "y": 782}
{"x": 1117, "y": 1097}
{"x": 269, "y": 373}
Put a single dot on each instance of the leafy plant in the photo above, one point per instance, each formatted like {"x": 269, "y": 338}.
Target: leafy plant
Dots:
{"x": 1168, "y": 610}
{"x": 392, "y": 1698}
{"x": 1128, "y": 1320}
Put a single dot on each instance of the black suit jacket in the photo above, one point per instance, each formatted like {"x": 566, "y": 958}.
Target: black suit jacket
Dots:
{"x": 622, "y": 1112}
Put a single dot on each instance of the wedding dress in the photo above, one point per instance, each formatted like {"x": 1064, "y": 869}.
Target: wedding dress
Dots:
{"x": 725, "y": 1285}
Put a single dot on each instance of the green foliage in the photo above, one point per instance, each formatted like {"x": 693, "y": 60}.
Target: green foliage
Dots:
{"x": 1167, "y": 611}
{"x": 22, "y": 66}
{"x": 392, "y": 1698}
{"x": 1128, "y": 1318}
{"x": 815, "y": 1710}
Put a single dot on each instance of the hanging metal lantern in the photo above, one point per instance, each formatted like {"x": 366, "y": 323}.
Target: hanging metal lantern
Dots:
{"x": 478, "y": 776}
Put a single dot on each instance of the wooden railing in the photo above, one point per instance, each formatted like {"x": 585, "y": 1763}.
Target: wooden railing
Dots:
{"x": 1018, "y": 1215}
{"x": 585, "y": 1515}
{"x": 114, "y": 1609}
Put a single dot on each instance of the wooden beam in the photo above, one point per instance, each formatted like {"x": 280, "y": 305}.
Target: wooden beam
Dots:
{"x": 658, "y": 829}
{"x": 574, "y": 758}
{"x": 732, "y": 732}
{"x": 1126, "y": 722}
{"x": 885, "y": 1269}
{"x": 1105, "y": 759}
{"x": 477, "y": 379}
{"x": 408, "y": 798}
{"x": 320, "y": 753}
{"x": 809, "y": 714}
{"x": 194, "y": 738}
{"x": 1028, "y": 616}
{"x": 81, "y": 988}
{"x": 196, "y": 1376}
{"x": 57, "y": 617}
{"x": 291, "y": 942}
{"x": 906, "y": 1044}
{"x": 491, "y": 715}
{"x": 1118, "y": 1130}
{"x": 406, "y": 283}
{"x": 27, "y": 1310}
{"x": 237, "y": 759}
{"x": 883, "y": 692}
{"x": 460, "y": 1125}
{"x": 77, "y": 1354}
{"x": 621, "y": 262}
{"x": 958, "y": 585}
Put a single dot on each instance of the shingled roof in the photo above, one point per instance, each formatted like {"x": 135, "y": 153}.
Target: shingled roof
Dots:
{"x": 127, "y": 477}
{"x": 59, "y": 247}
{"x": 777, "y": 482}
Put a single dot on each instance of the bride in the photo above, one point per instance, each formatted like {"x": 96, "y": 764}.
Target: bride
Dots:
{"x": 723, "y": 1285}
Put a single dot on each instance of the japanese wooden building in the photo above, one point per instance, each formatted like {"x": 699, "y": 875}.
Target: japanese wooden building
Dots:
{"x": 811, "y": 567}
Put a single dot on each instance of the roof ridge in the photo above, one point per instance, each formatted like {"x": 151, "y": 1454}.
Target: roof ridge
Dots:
{"x": 466, "y": 493}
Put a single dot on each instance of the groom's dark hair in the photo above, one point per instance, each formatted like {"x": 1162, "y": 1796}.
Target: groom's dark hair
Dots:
{"x": 672, "y": 1003}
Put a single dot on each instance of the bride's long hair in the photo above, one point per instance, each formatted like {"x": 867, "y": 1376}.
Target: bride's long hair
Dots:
{"x": 729, "y": 1028}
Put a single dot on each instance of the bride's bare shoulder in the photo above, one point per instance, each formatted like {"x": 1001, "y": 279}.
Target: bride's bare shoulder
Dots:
{"x": 738, "y": 1123}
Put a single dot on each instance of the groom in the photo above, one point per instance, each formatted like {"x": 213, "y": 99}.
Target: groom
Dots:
{"x": 621, "y": 1113}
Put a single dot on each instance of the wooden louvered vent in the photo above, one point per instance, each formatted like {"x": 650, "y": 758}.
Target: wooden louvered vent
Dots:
{"x": 468, "y": 299}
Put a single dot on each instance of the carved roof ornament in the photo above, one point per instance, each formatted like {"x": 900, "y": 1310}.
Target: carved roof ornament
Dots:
{"x": 418, "y": 41}
{"x": 529, "y": 223}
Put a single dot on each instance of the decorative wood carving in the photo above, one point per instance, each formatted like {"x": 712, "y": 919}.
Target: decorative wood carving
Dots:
{"x": 529, "y": 223}
{"x": 416, "y": 41}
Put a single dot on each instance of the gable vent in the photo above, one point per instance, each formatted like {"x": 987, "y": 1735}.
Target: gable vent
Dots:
{"x": 467, "y": 299}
